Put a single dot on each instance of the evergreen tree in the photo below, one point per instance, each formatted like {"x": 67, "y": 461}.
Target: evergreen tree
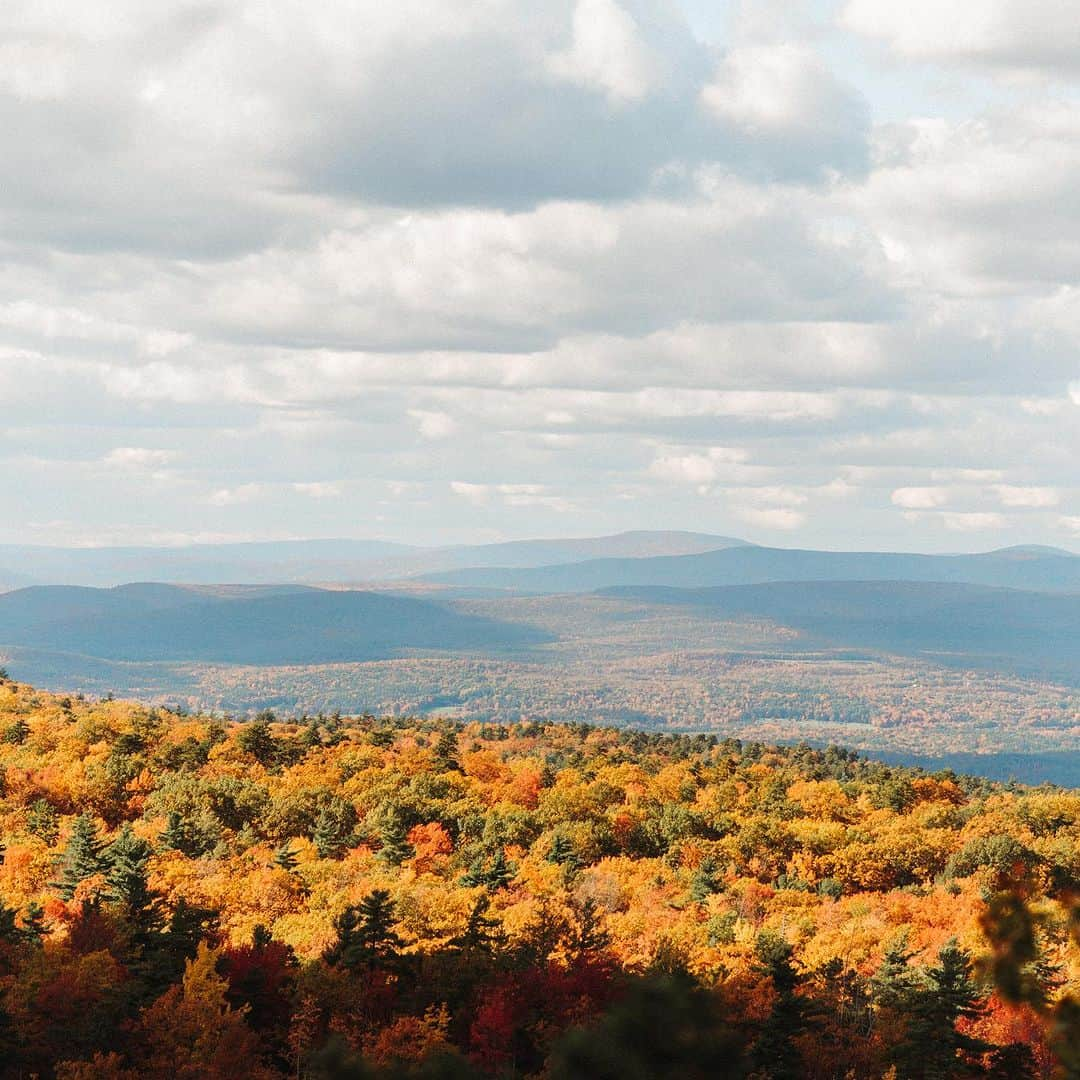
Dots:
{"x": 775, "y": 1053}
{"x": 43, "y": 821}
{"x": 1012, "y": 1062}
{"x": 562, "y": 852}
{"x": 895, "y": 982}
{"x": 83, "y": 857}
{"x": 16, "y": 733}
{"x": 192, "y": 838}
{"x": 285, "y": 858}
{"x": 665, "y": 1027}
{"x": 10, "y": 931}
{"x": 33, "y": 927}
{"x": 257, "y": 739}
{"x": 446, "y": 753}
{"x": 165, "y": 954}
{"x": 493, "y": 874}
{"x": 334, "y": 828}
{"x": 932, "y": 1048}
{"x": 703, "y": 884}
{"x": 481, "y": 931}
{"x": 127, "y": 857}
{"x": 395, "y": 842}
{"x": 587, "y": 935}
{"x": 365, "y": 933}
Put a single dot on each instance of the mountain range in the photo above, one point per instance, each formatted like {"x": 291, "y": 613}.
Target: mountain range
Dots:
{"x": 311, "y": 561}
{"x": 1049, "y": 569}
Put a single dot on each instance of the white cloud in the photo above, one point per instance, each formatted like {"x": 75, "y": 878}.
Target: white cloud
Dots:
{"x": 920, "y": 498}
{"x": 137, "y": 457}
{"x": 606, "y": 53}
{"x": 1031, "y": 36}
{"x": 662, "y": 280}
{"x": 781, "y": 518}
{"x": 318, "y": 489}
{"x": 1029, "y": 497}
{"x": 972, "y": 522}
{"x": 698, "y": 469}
{"x": 237, "y": 496}
{"x": 785, "y": 96}
{"x": 434, "y": 425}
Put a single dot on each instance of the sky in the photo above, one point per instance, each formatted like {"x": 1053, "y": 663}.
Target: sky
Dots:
{"x": 442, "y": 271}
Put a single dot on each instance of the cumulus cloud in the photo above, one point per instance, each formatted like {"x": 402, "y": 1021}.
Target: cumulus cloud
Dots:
{"x": 735, "y": 284}
{"x": 606, "y": 53}
{"x": 771, "y": 518}
{"x": 1011, "y": 36}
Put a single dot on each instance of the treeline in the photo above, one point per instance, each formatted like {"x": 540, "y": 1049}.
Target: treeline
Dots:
{"x": 363, "y": 897}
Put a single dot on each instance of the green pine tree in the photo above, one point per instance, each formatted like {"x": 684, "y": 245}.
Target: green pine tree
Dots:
{"x": 395, "y": 842}
{"x": 43, "y": 821}
{"x": 127, "y": 857}
{"x": 365, "y": 934}
{"x": 494, "y": 873}
{"x": 335, "y": 829}
{"x": 83, "y": 857}
{"x": 33, "y": 924}
{"x": 562, "y": 852}
{"x": 446, "y": 753}
{"x": 704, "y": 882}
{"x": 285, "y": 858}
{"x": 895, "y": 982}
{"x": 775, "y": 1053}
{"x": 932, "y": 1048}
{"x": 258, "y": 740}
{"x": 481, "y": 933}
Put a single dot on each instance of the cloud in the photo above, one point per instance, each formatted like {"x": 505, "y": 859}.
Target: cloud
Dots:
{"x": 509, "y": 259}
{"x": 972, "y": 522}
{"x": 1007, "y": 36}
{"x": 511, "y": 495}
{"x": 698, "y": 469}
{"x": 782, "y": 518}
{"x": 783, "y": 102}
{"x": 137, "y": 457}
{"x": 318, "y": 489}
{"x": 606, "y": 53}
{"x": 1028, "y": 497}
{"x": 434, "y": 425}
{"x": 920, "y": 498}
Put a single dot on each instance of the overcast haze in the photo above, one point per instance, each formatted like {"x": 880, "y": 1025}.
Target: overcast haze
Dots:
{"x": 442, "y": 271}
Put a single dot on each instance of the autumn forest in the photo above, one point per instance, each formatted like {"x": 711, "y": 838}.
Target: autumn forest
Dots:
{"x": 317, "y": 897}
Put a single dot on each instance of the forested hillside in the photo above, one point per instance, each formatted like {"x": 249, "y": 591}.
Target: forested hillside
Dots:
{"x": 182, "y": 896}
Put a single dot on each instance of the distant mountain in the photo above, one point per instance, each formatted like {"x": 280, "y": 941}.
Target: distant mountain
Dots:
{"x": 139, "y": 623}
{"x": 973, "y": 625}
{"x": 313, "y": 561}
{"x": 273, "y": 561}
{"x": 1020, "y": 568}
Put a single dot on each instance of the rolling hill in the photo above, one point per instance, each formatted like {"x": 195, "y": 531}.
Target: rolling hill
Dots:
{"x": 151, "y": 622}
{"x": 973, "y": 625}
{"x": 1020, "y": 568}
